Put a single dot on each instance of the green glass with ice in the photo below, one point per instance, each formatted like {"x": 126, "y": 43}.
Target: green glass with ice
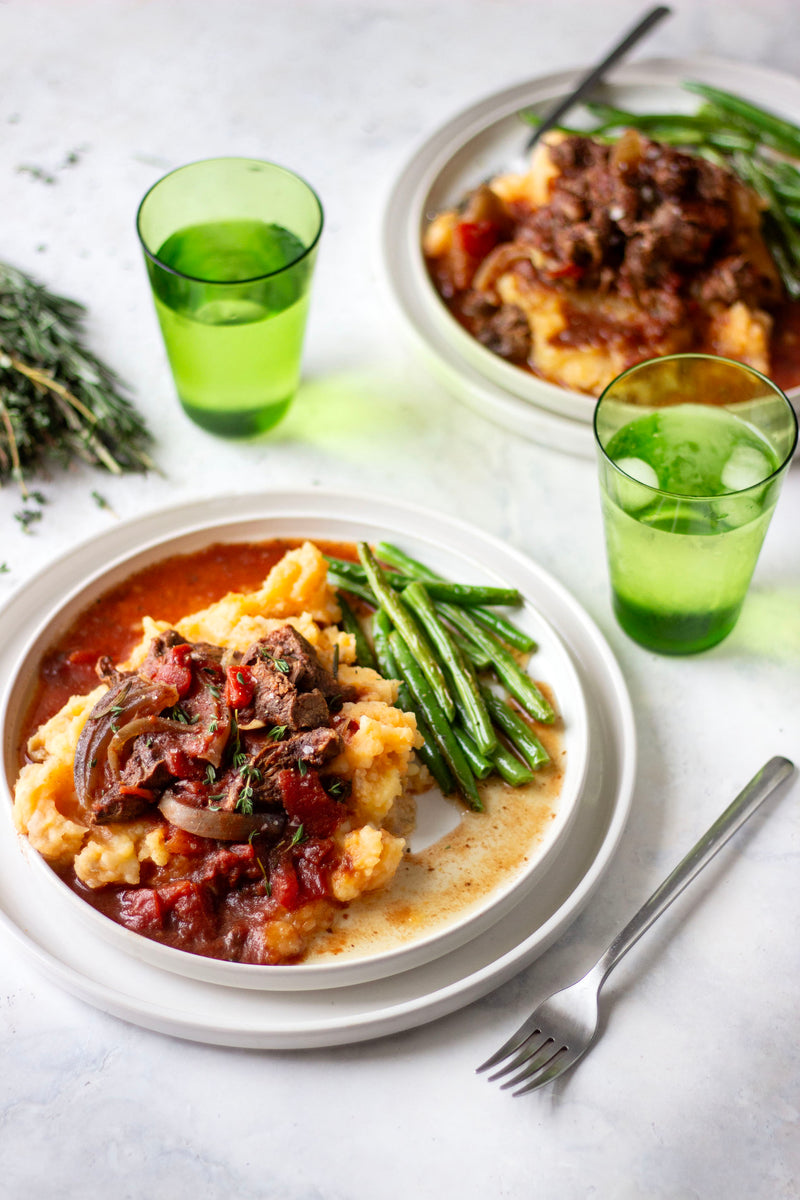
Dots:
{"x": 230, "y": 246}
{"x": 692, "y": 452}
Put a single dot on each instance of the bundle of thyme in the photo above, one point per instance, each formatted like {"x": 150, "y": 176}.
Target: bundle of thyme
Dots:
{"x": 58, "y": 401}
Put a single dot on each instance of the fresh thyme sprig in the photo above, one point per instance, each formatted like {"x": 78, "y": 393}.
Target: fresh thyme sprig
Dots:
{"x": 58, "y": 401}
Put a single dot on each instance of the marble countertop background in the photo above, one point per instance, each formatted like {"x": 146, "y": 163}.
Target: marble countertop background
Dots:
{"x": 693, "y": 1091}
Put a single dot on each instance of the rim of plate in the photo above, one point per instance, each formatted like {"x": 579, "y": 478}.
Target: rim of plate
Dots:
{"x": 320, "y": 974}
{"x": 437, "y": 173}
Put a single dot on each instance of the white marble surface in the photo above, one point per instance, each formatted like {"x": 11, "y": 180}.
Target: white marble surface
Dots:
{"x": 693, "y": 1089}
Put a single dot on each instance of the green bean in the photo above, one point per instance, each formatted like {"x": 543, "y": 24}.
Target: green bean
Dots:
{"x": 504, "y": 629}
{"x": 518, "y": 732}
{"x": 437, "y": 720}
{"x": 510, "y": 768}
{"x": 344, "y": 584}
{"x": 774, "y": 130}
{"x": 613, "y": 117}
{"x": 479, "y": 658}
{"x": 429, "y": 752}
{"x": 464, "y": 686}
{"x": 346, "y": 568}
{"x": 467, "y": 594}
{"x": 407, "y": 625}
{"x": 394, "y": 557}
{"x": 352, "y": 625}
{"x": 480, "y": 766}
{"x": 505, "y": 666}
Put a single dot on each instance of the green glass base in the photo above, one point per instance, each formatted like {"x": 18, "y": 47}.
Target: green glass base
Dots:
{"x": 245, "y": 423}
{"x": 675, "y": 633}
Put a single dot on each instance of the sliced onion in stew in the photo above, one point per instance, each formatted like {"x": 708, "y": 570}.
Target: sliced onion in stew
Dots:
{"x": 125, "y": 701}
{"x": 223, "y": 826}
{"x": 141, "y": 725}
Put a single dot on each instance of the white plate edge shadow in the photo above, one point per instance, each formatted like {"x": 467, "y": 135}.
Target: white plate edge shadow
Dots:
{"x": 466, "y": 369}
{"x": 432, "y": 1001}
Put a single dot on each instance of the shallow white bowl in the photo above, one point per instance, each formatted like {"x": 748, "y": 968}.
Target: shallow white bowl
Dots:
{"x": 482, "y": 141}
{"x": 451, "y": 547}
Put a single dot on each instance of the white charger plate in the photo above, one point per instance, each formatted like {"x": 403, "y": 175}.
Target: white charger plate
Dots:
{"x": 104, "y": 974}
{"x": 487, "y": 139}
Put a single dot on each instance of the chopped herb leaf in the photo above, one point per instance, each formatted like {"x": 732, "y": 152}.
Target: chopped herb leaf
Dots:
{"x": 244, "y": 803}
{"x": 302, "y": 766}
{"x": 277, "y": 732}
{"x": 299, "y": 836}
{"x": 27, "y": 517}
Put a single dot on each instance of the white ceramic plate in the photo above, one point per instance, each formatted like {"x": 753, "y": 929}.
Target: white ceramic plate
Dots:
{"x": 396, "y": 952}
{"x": 480, "y": 142}
{"x": 106, "y": 974}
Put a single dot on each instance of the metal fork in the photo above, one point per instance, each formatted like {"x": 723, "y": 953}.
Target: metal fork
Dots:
{"x": 562, "y": 1028}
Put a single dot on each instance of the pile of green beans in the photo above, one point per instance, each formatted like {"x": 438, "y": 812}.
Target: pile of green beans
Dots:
{"x": 445, "y": 644}
{"x": 750, "y": 141}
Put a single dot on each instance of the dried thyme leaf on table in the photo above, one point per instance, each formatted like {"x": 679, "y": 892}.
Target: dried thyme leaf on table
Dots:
{"x": 58, "y": 401}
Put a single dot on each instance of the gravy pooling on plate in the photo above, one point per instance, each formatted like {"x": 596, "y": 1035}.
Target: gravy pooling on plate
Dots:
{"x": 284, "y": 847}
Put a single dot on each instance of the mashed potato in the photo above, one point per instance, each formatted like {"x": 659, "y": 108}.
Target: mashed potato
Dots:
{"x": 378, "y": 741}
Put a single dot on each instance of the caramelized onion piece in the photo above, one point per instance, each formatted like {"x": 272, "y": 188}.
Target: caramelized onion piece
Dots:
{"x": 223, "y": 826}
{"x": 125, "y": 701}
{"x": 140, "y": 725}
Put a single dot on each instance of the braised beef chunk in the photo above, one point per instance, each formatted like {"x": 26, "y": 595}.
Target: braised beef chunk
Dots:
{"x": 147, "y": 765}
{"x": 110, "y": 674}
{"x": 502, "y": 328}
{"x": 116, "y": 805}
{"x": 277, "y": 701}
{"x": 315, "y": 747}
{"x": 158, "y": 650}
{"x": 289, "y": 649}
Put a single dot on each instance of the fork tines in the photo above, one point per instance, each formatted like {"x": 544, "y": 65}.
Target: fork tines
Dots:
{"x": 540, "y": 1062}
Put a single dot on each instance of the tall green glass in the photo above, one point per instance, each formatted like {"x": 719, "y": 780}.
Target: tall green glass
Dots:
{"x": 692, "y": 452}
{"x": 230, "y": 246}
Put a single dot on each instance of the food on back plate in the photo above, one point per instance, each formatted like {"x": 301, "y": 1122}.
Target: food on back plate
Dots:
{"x": 603, "y": 255}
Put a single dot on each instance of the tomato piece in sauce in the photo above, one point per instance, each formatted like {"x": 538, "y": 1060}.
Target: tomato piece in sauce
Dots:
{"x": 312, "y": 862}
{"x": 477, "y": 238}
{"x": 308, "y": 804}
{"x": 283, "y": 881}
{"x": 176, "y": 668}
{"x": 239, "y": 687}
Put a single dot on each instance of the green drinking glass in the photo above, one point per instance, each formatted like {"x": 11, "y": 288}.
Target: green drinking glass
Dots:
{"x": 230, "y": 246}
{"x": 692, "y": 452}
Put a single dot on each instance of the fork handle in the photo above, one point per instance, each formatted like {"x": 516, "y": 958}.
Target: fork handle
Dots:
{"x": 752, "y": 795}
